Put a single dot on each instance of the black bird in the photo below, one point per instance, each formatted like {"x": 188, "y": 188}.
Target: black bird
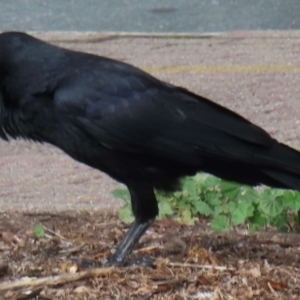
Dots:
{"x": 139, "y": 130}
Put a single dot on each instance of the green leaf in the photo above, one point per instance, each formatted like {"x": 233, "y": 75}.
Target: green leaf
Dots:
{"x": 165, "y": 209}
{"x": 190, "y": 187}
{"x": 257, "y": 220}
{"x": 270, "y": 192}
{"x": 211, "y": 181}
{"x": 292, "y": 200}
{"x": 218, "y": 210}
{"x": 200, "y": 178}
{"x": 212, "y": 198}
{"x": 203, "y": 208}
{"x": 250, "y": 195}
{"x": 280, "y": 222}
{"x": 241, "y": 213}
{"x": 39, "y": 231}
{"x": 220, "y": 223}
{"x": 121, "y": 193}
{"x": 229, "y": 207}
{"x": 126, "y": 215}
{"x": 230, "y": 189}
{"x": 188, "y": 183}
{"x": 270, "y": 204}
{"x": 186, "y": 217}
{"x": 254, "y": 227}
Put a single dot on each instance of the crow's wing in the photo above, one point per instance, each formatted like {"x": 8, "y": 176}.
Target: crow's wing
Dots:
{"x": 137, "y": 113}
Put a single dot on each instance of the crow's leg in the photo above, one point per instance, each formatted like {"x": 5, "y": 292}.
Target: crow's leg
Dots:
{"x": 145, "y": 209}
{"x": 137, "y": 229}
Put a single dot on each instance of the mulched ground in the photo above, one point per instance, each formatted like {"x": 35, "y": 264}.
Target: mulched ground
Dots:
{"x": 191, "y": 262}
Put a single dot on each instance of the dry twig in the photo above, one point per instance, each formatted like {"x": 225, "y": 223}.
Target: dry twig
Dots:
{"x": 55, "y": 280}
{"x": 188, "y": 265}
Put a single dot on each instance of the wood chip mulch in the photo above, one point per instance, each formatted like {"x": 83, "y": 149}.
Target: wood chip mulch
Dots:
{"x": 191, "y": 262}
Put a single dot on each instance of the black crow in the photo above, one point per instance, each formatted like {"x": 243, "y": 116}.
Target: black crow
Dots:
{"x": 139, "y": 130}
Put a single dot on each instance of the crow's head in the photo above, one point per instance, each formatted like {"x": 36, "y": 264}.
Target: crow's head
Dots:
{"x": 18, "y": 49}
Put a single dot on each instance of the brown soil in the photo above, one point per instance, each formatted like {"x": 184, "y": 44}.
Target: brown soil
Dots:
{"x": 191, "y": 262}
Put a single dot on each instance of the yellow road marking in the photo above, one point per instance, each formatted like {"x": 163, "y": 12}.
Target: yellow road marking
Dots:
{"x": 223, "y": 69}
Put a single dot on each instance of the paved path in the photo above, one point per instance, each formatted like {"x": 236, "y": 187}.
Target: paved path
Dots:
{"x": 256, "y": 74}
{"x": 150, "y": 16}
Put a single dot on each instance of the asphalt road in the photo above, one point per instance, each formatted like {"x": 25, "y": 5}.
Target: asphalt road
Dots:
{"x": 149, "y": 16}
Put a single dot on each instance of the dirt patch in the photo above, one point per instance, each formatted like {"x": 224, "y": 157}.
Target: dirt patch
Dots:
{"x": 191, "y": 262}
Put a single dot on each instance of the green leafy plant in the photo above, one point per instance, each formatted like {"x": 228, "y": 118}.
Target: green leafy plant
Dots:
{"x": 227, "y": 204}
{"x": 39, "y": 231}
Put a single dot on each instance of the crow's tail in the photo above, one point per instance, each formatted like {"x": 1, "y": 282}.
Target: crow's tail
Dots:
{"x": 282, "y": 164}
